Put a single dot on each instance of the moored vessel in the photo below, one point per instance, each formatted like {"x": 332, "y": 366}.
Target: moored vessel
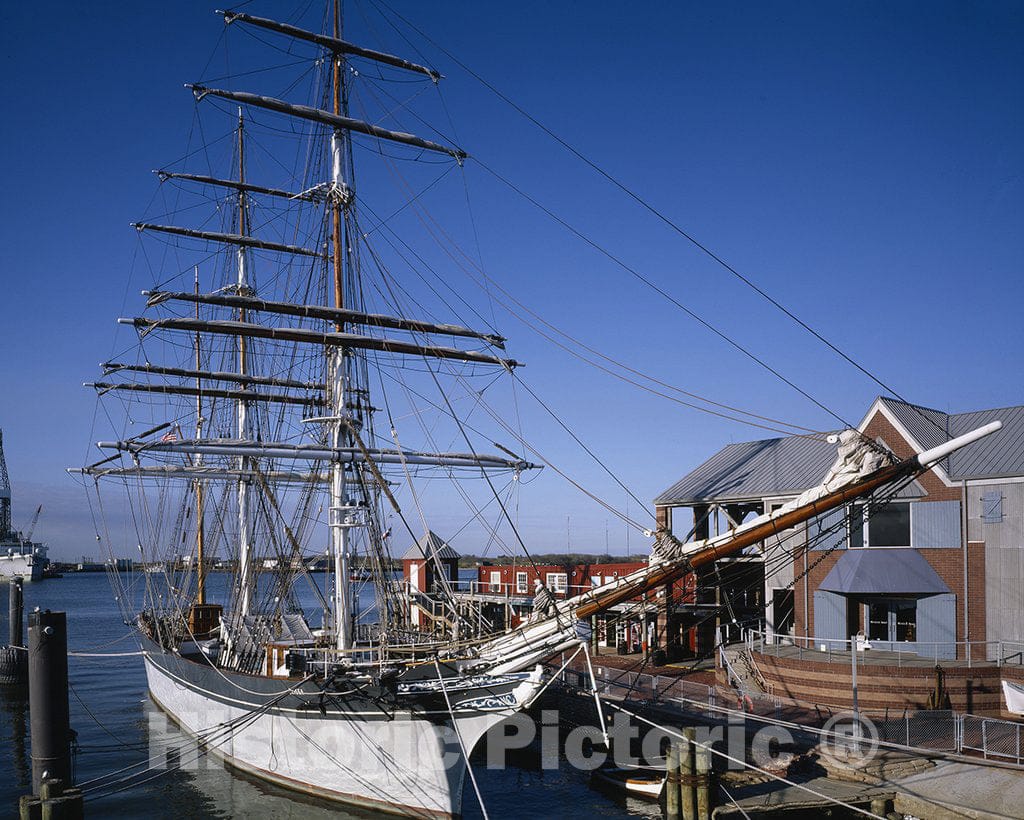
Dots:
{"x": 258, "y": 369}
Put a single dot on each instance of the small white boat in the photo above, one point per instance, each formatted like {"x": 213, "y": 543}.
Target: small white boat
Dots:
{"x": 645, "y": 783}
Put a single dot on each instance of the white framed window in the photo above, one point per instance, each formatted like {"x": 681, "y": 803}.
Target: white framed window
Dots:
{"x": 522, "y": 582}
{"x": 556, "y": 581}
{"x": 886, "y": 526}
{"x": 496, "y": 580}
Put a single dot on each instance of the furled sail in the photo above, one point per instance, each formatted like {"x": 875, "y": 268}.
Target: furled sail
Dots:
{"x": 246, "y": 187}
{"x": 229, "y": 238}
{"x": 332, "y": 44}
{"x": 294, "y": 334}
{"x": 329, "y": 314}
{"x": 209, "y": 375}
{"x": 316, "y": 452}
{"x": 307, "y": 112}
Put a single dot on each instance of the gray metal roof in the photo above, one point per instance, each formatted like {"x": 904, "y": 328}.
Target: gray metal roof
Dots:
{"x": 754, "y": 469}
{"x": 998, "y": 455}
{"x": 928, "y": 427}
{"x": 431, "y": 542}
{"x": 787, "y": 466}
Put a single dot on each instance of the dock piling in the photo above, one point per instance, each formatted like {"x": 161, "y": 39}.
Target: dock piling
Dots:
{"x": 48, "y": 697}
{"x": 687, "y": 789}
{"x": 53, "y": 796}
{"x": 703, "y": 755}
{"x": 16, "y": 606}
{"x": 13, "y": 657}
{"x": 672, "y": 781}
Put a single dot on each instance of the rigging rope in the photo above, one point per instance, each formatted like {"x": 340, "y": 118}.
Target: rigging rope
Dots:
{"x": 454, "y": 252}
{"x": 652, "y": 209}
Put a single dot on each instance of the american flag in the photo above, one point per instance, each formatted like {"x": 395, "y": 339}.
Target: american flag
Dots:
{"x": 170, "y": 435}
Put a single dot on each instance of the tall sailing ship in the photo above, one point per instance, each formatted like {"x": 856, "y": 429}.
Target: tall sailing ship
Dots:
{"x": 263, "y": 441}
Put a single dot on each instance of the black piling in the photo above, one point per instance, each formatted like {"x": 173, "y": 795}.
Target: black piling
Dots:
{"x": 13, "y": 657}
{"x": 16, "y": 606}
{"x": 49, "y": 720}
{"x": 48, "y": 697}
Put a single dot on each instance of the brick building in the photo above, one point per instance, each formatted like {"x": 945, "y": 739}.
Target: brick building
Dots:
{"x": 676, "y": 618}
{"x": 940, "y": 562}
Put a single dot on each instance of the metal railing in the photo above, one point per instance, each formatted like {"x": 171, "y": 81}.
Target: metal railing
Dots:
{"x": 992, "y": 737}
{"x": 920, "y": 730}
{"x": 1000, "y": 653}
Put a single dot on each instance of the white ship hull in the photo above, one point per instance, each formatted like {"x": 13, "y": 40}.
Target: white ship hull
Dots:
{"x": 404, "y": 761}
{"x": 26, "y": 566}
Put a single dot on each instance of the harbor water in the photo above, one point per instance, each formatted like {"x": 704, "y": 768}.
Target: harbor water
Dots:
{"x": 158, "y": 772}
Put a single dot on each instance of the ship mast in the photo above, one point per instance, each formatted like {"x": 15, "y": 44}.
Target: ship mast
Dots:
{"x": 245, "y": 568}
{"x": 200, "y": 534}
{"x": 339, "y": 513}
{"x": 345, "y": 442}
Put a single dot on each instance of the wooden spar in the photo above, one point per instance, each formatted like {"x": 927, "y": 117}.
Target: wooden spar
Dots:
{"x": 229, "y": 238}
{"x": 209, "y": 375}
{"x": 342, "y": 340}
{"x": 203, "y": 473}
{"x": 672, "y": 570}
{"x": 333, "y": 44}
{"x": 209, "y": 392}
{"x": 335, "y": 121}
{"x": 315, "y": 452}
{"x": 238, "y": 186}
{"x": 338, "y": 315}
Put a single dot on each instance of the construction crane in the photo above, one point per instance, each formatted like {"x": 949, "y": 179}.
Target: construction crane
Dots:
{"x": 32, "y": 527}
{"x": 5, "y": 494}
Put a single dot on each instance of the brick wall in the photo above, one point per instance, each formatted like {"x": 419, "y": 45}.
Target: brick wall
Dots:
{"x": 880, "y": 427}
{"x": 977, "y": 690}
{"x": 947, "y": 563}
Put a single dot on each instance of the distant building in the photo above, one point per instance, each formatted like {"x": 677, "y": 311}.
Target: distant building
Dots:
{"x": 426, "y": 567}
{"x": 941, "y": 562}
{"x": 427, "y": 561}
{"x": 674, "y": 619}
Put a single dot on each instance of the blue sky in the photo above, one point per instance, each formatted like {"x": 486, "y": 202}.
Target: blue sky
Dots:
{"x": 860, "y": 161}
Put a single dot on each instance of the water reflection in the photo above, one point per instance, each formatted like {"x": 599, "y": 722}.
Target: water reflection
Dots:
{"x": 14, "y": 731}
